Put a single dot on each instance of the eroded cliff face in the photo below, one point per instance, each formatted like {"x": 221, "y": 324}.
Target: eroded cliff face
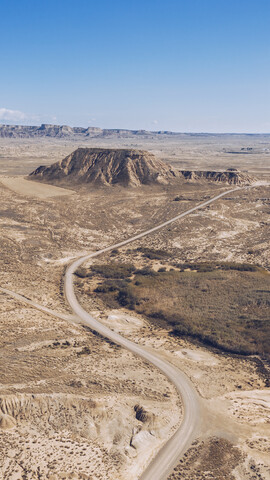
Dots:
{"x": 128, "y": 168}
{"x": 231, "y": 176}
{"x": 71, "y": 436}
{"x": 48, "y": 131}
{"x": 107, "y": 167}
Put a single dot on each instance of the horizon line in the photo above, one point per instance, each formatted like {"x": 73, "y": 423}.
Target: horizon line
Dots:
{"x": 135, "y": 129}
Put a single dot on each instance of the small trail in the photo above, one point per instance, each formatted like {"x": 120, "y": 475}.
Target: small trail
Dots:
{"x": 37, "y": 306}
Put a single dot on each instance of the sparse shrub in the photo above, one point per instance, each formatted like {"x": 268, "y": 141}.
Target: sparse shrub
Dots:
{"x": 111, "y": 286}
{"x": 241, "y": 267}
{"x": 146, "y": 271}
{"x": 153, "y": 254}
{"x": 211, "y": 266}
{"x": 113, "y": 270}
{"x": 103, "y": 288}
{"x": 126, "y": 298}
{"x": 75, "y": 384}
{"x": 84, "y": 351}
{"x": 82, "y": 272}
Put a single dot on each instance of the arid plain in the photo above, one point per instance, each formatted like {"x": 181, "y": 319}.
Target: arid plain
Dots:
{"x": 74, "y": 406}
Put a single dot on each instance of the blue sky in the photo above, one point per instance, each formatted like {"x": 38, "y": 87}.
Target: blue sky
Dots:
{"x": 181, "y": 65}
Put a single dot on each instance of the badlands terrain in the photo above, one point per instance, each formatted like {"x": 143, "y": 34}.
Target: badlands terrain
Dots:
{"x": 76, "y": 406}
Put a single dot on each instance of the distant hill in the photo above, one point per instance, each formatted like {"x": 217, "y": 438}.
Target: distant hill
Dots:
{"x": 81, "y": 133}
{"x": 100, "y": 166}
{"x": 47, "y": 130}
{"x": 64, "y": 131}
{"x": 231, "y": 176}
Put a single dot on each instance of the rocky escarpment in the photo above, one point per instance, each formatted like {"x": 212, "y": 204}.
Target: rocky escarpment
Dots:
{"x": 231, "y": 176}
{"x": 77, "y": 133}
{"x": 48, "y": 130}
{"x": 100, "y": 166}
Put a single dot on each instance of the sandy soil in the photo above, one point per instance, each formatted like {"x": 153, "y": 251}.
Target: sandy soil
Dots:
{"x": 30, "y": 189}
{"x": 67, "y": 400}
{"x": 67, "y": 397}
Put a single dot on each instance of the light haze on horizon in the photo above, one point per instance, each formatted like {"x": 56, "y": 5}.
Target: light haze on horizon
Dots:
{"x": 180, "y": 65}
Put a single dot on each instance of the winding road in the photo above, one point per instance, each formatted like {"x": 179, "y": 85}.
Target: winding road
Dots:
{"x": 169, "y": 455}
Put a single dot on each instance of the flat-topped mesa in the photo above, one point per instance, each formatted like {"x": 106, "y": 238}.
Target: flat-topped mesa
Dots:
{"x": 232, "y": 176}
{"x": 100, "y": 166}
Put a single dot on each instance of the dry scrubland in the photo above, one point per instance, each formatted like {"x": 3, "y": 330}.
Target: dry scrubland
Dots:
{"x": 69, "y": 402}
{"x": 76, "y": 406}
{"x": 72, "y": 373}
{"x": 203, "y": 301}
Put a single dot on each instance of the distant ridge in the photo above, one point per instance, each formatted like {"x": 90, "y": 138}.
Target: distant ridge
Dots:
{"x": 102, "y": 167}
{"x": 64, "y": 131}
{"x": 79, "y": 133}
{"x": 232, "y": 176}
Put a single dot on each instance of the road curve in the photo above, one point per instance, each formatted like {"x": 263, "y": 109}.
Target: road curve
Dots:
{"x": 161, "y": 465}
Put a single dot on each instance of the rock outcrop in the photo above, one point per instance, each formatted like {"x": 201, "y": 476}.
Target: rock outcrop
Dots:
{"x": 101, "y": 166}
{"x": 231, "y": 176}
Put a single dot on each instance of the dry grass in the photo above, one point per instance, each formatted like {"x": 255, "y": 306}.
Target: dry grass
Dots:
{"x": 215, "y": 458}
{"x": 226, "y": 306}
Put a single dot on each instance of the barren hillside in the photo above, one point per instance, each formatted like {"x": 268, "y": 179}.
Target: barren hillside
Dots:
{"x": 107, "y": 167}
{"x": 231, "y": 176}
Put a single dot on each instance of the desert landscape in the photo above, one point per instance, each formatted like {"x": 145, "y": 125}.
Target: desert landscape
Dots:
{"x": 195, "y": 293}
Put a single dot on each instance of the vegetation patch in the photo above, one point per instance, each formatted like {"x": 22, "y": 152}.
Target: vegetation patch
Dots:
{"x": 224, "y": 305}
{"x": 153, "y": 254}
{"x": 107, "y": 270}
{"x": 214, "y": 458}
{"x": 210, "y": 266}
{"x": 113, "y": 270}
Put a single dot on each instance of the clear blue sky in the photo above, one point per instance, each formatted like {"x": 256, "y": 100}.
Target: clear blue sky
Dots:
{"x": 181, "y": 65}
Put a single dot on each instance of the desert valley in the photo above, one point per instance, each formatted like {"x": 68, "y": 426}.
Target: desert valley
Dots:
{"x": 74, "y": 404}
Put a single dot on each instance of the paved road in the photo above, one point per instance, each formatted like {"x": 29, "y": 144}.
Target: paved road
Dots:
{"x": 160, "y": 467}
